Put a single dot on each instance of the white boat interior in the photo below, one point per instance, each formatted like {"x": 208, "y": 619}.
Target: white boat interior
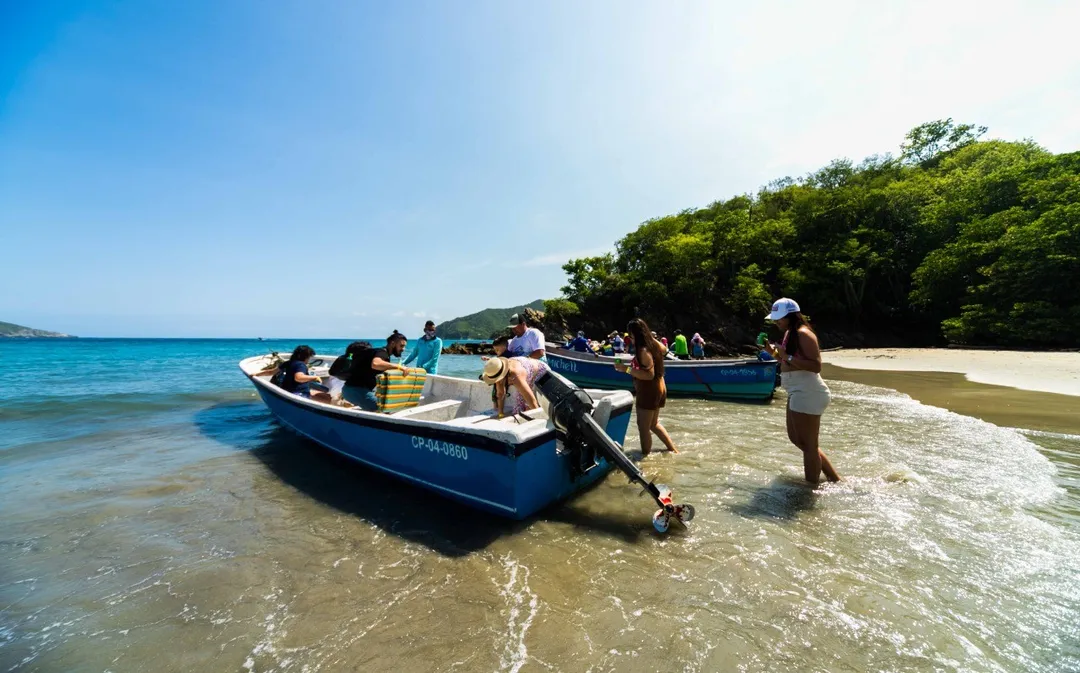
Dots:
{"x": 448, "y": 401}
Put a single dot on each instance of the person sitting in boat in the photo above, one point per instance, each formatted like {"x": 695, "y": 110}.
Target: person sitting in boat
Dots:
{"x": 679, "y": 347}
{"x": 697, "y": 347}
{"x": 519, "y": 374}
{"x": 339, "y": 371}
{"x": 360, "y": 385}
{"x": 628, "y": 341}
{"x": 427, "y": 351}
{"x": 294, "y": 377}
{"x": 528, "y": 341}
{"x": 605, "y": 346}
{"x": 617, "y": 344}
{"x": 579, "y": 343}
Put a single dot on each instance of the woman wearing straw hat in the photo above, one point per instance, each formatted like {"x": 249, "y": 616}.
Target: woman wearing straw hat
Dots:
{"x": 808, "y": 396}
{"x": 520, "y": 374}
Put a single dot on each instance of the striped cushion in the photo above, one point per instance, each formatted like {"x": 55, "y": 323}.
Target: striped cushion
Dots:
{"x": 397, "y": 391}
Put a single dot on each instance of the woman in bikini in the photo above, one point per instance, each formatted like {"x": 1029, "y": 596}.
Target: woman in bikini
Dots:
{"x": 650, "y": 392}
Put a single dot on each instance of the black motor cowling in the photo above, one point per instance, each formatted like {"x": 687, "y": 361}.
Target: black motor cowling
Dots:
{"x": 571, "y": 412}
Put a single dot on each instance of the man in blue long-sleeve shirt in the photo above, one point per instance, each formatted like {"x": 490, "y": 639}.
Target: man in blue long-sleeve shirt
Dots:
{"x": 579, "y": 344}
{"x": 427, "y": 351}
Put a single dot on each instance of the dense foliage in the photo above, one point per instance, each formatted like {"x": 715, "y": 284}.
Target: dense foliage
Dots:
{"x": 974, "y": 241}
{"x": 482, "y": 324}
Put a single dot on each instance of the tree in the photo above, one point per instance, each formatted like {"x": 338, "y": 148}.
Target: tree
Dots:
{"x": 975, "y": 240}
{"x": 926, "y": 142}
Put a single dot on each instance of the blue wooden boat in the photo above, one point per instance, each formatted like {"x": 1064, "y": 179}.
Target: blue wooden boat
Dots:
{"x": 451, "y": 443}
{"x": 715, "y": 379}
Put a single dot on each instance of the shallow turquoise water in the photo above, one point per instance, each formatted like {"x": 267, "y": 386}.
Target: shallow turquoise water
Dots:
{"x": 154, "y": 518}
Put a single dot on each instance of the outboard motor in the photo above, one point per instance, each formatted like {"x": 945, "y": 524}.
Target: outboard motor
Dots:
{"x": 571, "y": 412}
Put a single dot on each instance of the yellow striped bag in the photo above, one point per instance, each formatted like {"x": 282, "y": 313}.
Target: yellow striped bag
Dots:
{"x": 396, "y": 390}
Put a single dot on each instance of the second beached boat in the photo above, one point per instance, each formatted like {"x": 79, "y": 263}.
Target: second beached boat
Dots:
{"x": 720, "y": 379}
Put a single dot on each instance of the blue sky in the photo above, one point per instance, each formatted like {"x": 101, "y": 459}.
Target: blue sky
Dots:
{"x": 331, "y": 169}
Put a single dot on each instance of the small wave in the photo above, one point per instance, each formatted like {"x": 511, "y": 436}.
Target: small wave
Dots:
{"x": 903, "y": 476}
{"x": 1047, "y": 434}
{"x": 519, "y": 597}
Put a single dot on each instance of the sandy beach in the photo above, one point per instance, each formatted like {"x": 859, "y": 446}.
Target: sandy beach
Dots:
{"x": 1027, "y": 370}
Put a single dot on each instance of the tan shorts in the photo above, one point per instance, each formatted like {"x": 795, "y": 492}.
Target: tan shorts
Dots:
{"x": 807, "y": 392}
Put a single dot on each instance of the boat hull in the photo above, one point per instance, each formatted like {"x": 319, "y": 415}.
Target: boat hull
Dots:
{"x": 510, "y": 479}
{"x": 736, "y": 379}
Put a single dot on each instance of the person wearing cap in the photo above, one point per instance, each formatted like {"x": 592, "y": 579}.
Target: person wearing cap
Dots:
{"x": 519, "y": 374}
{"x": 527, "y": 342}
{"x": 800, "y": 375}
{"x": 579, "y": 343}
{"x": 427, "y": 351}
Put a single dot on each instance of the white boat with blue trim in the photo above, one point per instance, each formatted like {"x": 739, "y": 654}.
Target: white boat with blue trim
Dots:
{"x": 453, "y": 444}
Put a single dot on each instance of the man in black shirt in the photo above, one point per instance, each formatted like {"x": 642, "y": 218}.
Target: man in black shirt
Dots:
{"x": 360, "y": 386}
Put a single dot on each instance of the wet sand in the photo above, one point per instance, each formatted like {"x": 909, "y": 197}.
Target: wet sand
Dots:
{"x": 997, "y": 404}
{"x": 1037, "y": 371}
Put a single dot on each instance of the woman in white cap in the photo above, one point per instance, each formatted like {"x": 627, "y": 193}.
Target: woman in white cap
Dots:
{"x": 518, "y": 373}
{"x": 800, "y": 374}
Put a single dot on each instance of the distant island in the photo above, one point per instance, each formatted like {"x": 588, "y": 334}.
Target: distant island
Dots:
{"x": 13, "y": 331}
{"x": 482, "y": 324}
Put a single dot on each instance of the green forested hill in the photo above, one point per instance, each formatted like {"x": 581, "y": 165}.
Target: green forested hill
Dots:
{"x": 958, "y": 239}
{"x": 8, "y": 329}
{"x": 482, "y": 324}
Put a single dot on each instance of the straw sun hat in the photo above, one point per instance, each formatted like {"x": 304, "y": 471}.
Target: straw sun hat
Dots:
{"x": 495, "y": 370}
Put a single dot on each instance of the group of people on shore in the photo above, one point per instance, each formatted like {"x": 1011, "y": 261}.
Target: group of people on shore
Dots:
{"x": 521, "y": 359}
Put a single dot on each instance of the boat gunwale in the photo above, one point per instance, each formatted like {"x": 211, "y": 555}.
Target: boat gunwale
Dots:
{"x": 501, "y": 441}
{"x": 559, "y": 351}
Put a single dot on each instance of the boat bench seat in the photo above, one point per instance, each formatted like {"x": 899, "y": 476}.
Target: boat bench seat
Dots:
{"x": 490, "y": 418}
{"x": 441, "y": 410}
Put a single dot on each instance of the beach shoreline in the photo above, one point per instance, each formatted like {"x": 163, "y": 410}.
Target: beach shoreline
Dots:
{"x": 1018, "y": 389}
{"x": 1035, "y": 371}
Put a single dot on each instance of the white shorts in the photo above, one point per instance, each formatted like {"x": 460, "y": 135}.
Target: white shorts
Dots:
{"x": 806, "y": 391}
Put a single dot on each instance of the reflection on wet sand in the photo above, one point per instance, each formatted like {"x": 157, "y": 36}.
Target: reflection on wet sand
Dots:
{"x": 1007, "y": 407}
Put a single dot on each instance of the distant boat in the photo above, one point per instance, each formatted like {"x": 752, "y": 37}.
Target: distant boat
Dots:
{"x": 453, "y": 444}
{"x": 744, "y": 379}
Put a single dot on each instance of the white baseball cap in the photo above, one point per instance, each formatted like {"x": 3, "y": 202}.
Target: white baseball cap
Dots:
{"x": 782, "y": 307}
